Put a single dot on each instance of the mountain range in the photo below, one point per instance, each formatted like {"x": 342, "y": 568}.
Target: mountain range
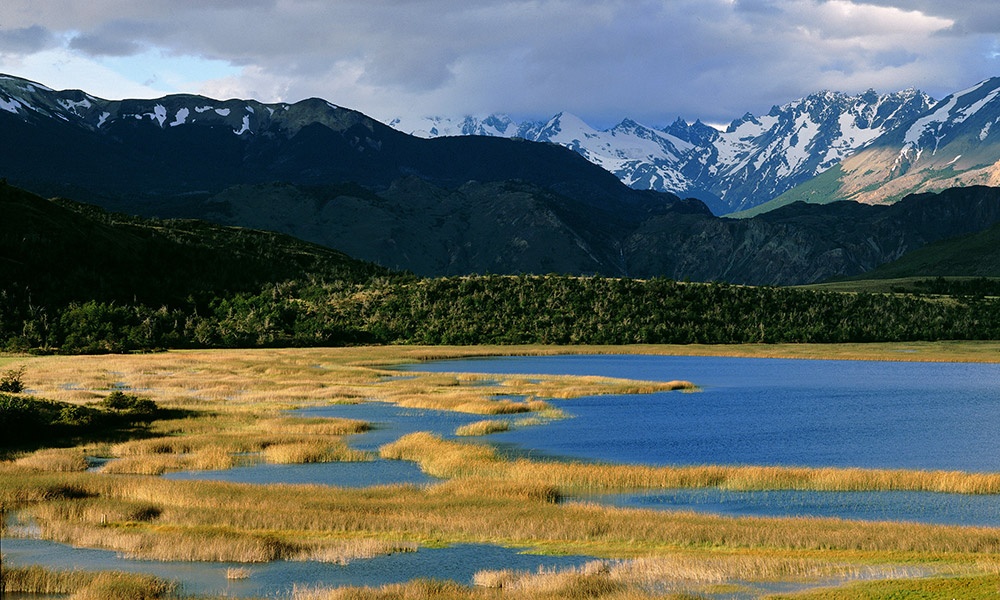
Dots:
{"x": 954, "y": 143}
{"x": 454, "y": 205}
{"x": 754, "y": 160}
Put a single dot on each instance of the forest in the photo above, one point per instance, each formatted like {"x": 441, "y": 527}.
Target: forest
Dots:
{"x": 497, "y": 310}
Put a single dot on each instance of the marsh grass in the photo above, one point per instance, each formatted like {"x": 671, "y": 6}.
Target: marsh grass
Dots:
{"x": 482, "y": 428}
{"x": 450, "y": 459}
{"x": 56, "y": 460}
{"x": 237, "y": 573}
{"x": 105, "y": 585}
{"x": 313, "y": 452}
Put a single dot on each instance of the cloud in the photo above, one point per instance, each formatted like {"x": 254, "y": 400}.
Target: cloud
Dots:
{"x": 652, "y": 60}
{"x": 26, "y": 40}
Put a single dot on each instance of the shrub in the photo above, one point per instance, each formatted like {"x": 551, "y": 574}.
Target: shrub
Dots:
{"x": 129, "y": 403}
{"x": 11, "y": 381}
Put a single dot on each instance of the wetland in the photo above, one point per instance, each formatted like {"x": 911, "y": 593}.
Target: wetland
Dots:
{"x": 625, "y": 471}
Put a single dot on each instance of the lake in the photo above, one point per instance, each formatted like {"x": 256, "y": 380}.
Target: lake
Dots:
{"x": 815, "y": 413}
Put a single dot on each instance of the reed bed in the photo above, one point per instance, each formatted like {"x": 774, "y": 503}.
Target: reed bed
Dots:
{"x": 449, "y": 459}
{"x": 202, "y": 520}
{"x": 238, "y": 573}
{"x": 55, "y": 460}
{"x": 480, "y": 428}
{"x": 315, "y": 451}
{"x": 103, "y": 585}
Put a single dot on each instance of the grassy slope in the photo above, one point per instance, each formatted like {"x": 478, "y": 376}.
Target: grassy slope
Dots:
{"x": 973, "y": 255}
{"x": 821, "y": 189}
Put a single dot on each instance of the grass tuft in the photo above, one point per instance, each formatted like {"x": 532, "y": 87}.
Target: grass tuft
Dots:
{"x": 482, "y": 428}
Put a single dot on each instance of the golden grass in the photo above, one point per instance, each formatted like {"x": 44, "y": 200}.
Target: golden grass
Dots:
{"x": 314, "y": 451}
{"x": 450, "y": 459}
{"x": 482, "y": 428}
{"x": 104, "y": 585}
{"x": 56, "y": 460}
{"x": 970, "y": 587}
{"x": 237, "y": 573}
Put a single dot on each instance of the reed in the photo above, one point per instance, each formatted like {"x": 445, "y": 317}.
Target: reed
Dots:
{"x": 55, "y": 460}
{"x": 482, "y": 428}
{"x": 237, "y": 573}
{"x": 448, "y": 459}
{"x": 314, "y": 451}
{"x": 124, "y": 586}
{"x": 103, "y": 585}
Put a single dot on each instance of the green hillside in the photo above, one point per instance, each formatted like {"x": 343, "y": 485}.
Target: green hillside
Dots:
{"x": 821, "y": 189}
{"x": 972, "y": 255}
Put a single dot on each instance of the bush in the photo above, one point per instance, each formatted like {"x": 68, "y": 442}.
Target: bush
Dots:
{"x": 11, "y": 381}
{"x": 129, "y": 403}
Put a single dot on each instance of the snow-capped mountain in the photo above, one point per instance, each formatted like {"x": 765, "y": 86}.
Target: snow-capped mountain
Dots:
{"x": 35, "y": 102}
{"x": 754, "y": 160}
{"x": 954, "y": 143}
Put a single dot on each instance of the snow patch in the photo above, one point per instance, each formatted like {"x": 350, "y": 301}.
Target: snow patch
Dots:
{"x": 10, "y": 106}
{"x": 104, "y": 117}
{"x": 201, "y": 109}
{"x": 246, "y": 126}
{"x": 75, "y": 107}
{"x": 180, "y": 117}
{"x": 222, "y": 112}
{"x": 159, "y": 114}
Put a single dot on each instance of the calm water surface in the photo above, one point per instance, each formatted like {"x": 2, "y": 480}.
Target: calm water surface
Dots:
{"x": 770, "y": 412}
{"x": 276, "y": 579}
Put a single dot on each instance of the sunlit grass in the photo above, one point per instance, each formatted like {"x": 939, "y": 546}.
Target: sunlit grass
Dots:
{"x": 104, "y": 585}
{"x": 449, "y": 459}
{"x": 482, "y": 428}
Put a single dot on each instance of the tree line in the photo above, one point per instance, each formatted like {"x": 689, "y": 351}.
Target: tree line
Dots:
{"x": 493, "y": 310}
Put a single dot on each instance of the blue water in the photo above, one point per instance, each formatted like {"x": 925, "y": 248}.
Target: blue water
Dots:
{"x": 276, "y": 579}
{"x": 916, "y": 507}
{"x": 910, "y": 415}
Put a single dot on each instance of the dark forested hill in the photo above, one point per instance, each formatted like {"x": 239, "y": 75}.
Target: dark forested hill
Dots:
{"x": 59, "y": 251}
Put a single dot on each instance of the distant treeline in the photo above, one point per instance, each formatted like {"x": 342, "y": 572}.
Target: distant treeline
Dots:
{"x": 493, "y": 310}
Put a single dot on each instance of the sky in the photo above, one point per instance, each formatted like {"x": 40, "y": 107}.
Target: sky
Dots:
{"x": 649, "y": 60}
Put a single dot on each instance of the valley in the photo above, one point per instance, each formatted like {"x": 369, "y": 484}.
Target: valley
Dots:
{"x": 230, "y": 325}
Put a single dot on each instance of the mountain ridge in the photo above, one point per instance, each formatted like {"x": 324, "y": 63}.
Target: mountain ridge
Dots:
{"x": 444, "y": 206}
{"x": 755, "y": 159}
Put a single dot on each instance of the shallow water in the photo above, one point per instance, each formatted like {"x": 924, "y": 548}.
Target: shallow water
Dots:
{"x": 276, "y": 579}
{"x": 389, "y": 423}
{"x": 770, "y": 412}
